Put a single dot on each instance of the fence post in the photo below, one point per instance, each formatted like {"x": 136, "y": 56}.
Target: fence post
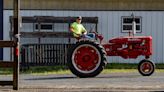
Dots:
{"x": 16, "y": 7}
{"x": 15, "y": 44}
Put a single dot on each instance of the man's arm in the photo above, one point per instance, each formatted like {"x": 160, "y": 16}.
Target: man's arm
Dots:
{"x": 72, "y": 30}
{"x": 84, "y": 31}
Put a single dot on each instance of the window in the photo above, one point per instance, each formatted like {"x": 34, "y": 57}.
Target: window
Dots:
{"x": 43, "y": 27}
{"x": 127, "y": 24}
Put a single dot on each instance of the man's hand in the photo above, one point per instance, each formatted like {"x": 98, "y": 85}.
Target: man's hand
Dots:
{"x": 77, "y": 34}
{"x": 84, "y": 33}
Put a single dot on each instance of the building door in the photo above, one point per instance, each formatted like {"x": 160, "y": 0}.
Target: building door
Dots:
{"x": 1, "y": 27}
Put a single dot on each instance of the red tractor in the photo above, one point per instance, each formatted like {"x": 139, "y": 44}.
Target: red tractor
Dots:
{"x": 87, "y": 58}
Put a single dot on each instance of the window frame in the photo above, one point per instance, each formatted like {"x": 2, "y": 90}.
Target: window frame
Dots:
{"x": 43, "y": 30}
{"x": 127, "y": 31}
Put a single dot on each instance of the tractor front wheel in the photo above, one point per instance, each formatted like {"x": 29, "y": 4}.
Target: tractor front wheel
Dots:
{"x": 86, "y": 59}
{"x": 146, "y": 67}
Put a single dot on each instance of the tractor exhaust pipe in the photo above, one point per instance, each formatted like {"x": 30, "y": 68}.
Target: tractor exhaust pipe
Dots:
{"x": 133, "y": 24}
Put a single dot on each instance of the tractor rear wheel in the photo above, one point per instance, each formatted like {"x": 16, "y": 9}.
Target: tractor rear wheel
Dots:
{"x": 86, "y": 59}
{"x": 146, "y": 67}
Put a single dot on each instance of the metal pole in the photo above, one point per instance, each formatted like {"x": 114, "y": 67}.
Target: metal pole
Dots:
{"x": 1, "y": 27}
{"x": 16, "y": 8}
{"x": 133, "y": 24}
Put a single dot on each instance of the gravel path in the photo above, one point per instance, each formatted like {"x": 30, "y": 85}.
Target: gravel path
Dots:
{"x": 102, "y": 83}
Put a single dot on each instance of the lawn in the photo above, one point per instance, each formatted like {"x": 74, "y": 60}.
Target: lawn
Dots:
{"x": 110, "y": 68}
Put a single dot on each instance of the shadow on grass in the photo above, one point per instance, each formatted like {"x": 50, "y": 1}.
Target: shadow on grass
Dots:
{"x": 100, "y": 76}
{"x": 51, "y": 78}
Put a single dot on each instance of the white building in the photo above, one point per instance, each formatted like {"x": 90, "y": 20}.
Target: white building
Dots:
{"x": 113, "y": 17}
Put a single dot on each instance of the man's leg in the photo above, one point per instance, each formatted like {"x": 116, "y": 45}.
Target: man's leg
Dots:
{"x": 89, "y": 36}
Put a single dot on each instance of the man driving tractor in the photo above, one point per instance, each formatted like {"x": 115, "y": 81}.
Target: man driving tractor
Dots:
{"x": 79, "y": 31}
{"x": 87, "y": 58}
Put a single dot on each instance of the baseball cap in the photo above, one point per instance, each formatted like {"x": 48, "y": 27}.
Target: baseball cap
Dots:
{"x": 79, "y": 17}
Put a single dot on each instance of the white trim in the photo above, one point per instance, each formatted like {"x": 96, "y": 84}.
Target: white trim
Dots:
{"x": 130, "y": 24}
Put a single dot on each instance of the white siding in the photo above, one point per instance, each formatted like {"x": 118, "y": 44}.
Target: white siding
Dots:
{"x": 109, "y": 25}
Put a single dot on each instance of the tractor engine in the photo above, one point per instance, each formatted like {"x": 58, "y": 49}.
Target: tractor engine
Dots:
{"x": 129, "y": 46}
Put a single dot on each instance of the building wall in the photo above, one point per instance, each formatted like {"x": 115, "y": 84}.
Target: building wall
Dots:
{"x": 109, "y": 26}
{"x": 88, "y": 4}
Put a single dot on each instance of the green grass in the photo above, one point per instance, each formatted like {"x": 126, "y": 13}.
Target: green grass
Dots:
{"x": 47, "y": 70}
{"x": 121, "y": 66}
{"x": 128, "y": 66}
{"x": 110, "y": 68}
